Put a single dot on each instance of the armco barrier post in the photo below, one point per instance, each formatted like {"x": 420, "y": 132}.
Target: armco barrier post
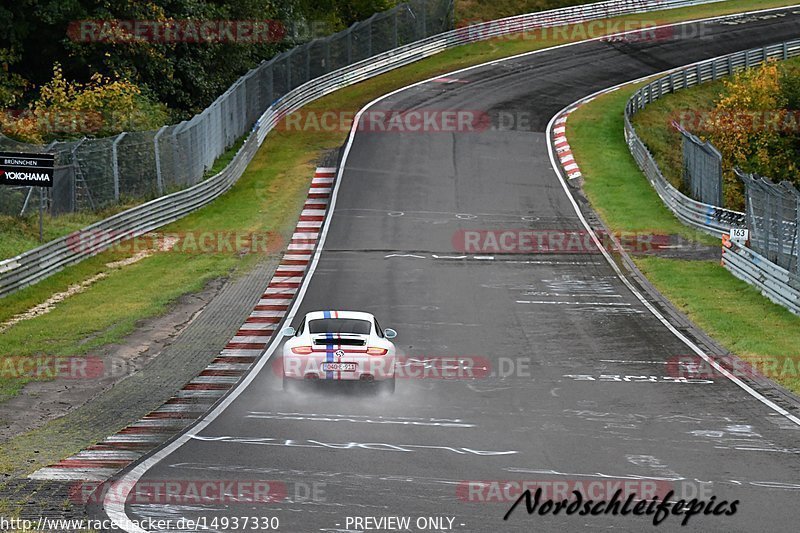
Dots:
{"x": 37, "y": 264}
{"x": 773, "y": 211}
{"x": 159, "y": 179}
{"x": 115, "y": 164}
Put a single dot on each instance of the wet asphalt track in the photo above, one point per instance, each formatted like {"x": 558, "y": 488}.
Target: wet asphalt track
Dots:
{"x": 408, "y": 455}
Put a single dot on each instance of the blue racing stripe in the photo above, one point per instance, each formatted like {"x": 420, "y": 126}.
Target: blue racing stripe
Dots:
{"x": 328, "y": 349}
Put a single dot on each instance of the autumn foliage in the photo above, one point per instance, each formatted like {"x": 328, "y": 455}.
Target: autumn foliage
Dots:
{"x": 101, "y": 107}
{"x": 754, "y": 129}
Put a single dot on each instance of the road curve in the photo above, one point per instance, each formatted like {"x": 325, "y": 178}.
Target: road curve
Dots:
{"x": 555, "y": 322}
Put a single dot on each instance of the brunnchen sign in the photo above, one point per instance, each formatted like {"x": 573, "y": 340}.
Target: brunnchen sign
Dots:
{"x": 27, "y": 169}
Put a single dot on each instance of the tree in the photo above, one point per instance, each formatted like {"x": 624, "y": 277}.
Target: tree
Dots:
{"x": 186, "y": 76}
{"x": 748, "y": 129}
{"x": 102, "y": 107}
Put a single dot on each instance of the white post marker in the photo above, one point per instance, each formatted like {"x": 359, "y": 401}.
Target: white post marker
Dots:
{"x": 740, "y": 235}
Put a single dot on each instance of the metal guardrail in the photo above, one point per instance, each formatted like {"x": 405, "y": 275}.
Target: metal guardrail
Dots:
{"x": 39, "y": 263}
{"x": 772, "y": 216}
{"x": 708, "y": 218}
{"x": 95, "y": 173}
{"x": 711, "y": 219}
{"x": 775, "y": 282}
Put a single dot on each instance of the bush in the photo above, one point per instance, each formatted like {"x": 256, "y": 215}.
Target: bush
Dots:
{"x": 102, "y": 107}
{"x": 790, "y": 88}
{"x": 12, "y": 85}
{"x": 748, "y": 128}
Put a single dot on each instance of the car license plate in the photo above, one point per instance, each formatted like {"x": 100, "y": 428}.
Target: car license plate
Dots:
{"x": 339, "y": 367}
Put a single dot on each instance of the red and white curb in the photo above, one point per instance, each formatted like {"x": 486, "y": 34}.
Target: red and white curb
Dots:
{"x": 102, "y": 460}
{"x": 563, "y": 149}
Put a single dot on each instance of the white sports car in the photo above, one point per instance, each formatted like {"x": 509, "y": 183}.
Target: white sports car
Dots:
{"x": 339, "y": 345}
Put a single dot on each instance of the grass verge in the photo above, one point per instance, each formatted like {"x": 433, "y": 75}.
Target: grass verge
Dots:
{"x": 267, "y": 198}
{"x": 728, "y": 309}
{"x": 618, "y": 191}
{"x": 475, "y": 10}
{"x": 18, "y": 234}
{"x": 654, "y": 122}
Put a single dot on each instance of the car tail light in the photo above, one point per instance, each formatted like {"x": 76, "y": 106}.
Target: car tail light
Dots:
{"x": 376, "y": 351}
{"x": 302, "y": 350}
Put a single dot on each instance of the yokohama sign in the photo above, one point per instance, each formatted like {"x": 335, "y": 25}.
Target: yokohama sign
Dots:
{"x": 27, "y": 169}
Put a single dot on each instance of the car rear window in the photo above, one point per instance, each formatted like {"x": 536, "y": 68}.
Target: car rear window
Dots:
{"x": 339, "y": 325}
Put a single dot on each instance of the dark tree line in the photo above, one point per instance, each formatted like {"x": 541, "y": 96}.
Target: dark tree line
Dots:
{"x": 186, "y": 76}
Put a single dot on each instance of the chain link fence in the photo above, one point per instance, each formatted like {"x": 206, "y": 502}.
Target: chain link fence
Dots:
{"x": 702, "y": 168}
{"x": 773, "y": 214}
{"x": 772, "y": 211}
{"x": 92, "y": 174}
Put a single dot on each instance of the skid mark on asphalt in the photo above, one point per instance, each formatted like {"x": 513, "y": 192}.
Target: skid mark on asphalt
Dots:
{"x": 723, "y": 433}
{"x": 360, "y": 419}
{"x": 561, "y": 294}
{"x": 359, "y": 477}
{"x": 485, "y": 388}
{"x": 653, "y": 463}
{"x": 620, "y": 378}
{"x": 564, "y": 302}
{"x": 582, "y": 285}
{"x": 578, "y": 293}
{"x": 639, "y": 362}
{"x": 371, "y": 446}
{"x": 495, "y": 259}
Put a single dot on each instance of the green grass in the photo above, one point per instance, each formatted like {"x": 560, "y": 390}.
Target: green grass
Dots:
{"x": 731, "y": 311}
{"x": 654, "y": 122}
{"x": 17, "y": 236}
{"x": 110, "y": 310}
{"x": 267, "y": 198}
{"x": 223, "y": 160}
{"x": 474, "y": 10}
{"x": 614, "y": 184}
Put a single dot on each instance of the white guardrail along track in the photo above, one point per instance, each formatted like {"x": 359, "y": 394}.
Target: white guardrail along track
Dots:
{"x": 39, "y": 263}
{"x": 775, "y": 282}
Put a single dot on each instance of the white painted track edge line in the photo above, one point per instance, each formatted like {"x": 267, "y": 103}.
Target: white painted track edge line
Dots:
{"x": 114, "y": 506}
{"x": 111, "y": 504}
{"x": 666, "y": 323}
